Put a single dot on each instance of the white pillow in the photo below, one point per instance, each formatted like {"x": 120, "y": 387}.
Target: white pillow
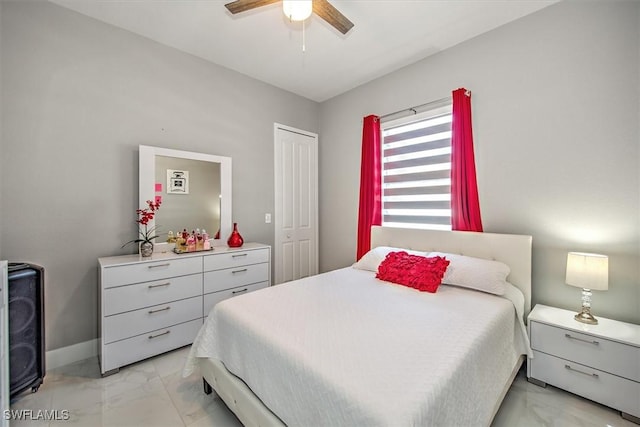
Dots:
{"x": 372, "y": 259}
{"x": 475, "y": 273}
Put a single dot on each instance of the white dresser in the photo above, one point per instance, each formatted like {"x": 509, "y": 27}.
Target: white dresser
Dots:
{"x": 600, "y": 362}
{"x": 148, "y": 306}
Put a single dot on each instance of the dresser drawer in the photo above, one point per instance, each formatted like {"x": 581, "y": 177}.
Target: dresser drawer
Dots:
{"x": 140, "y": 295}
{"x": 131, "y": 323}
{"x": 235, "y": 259}
{"x": 610, "y": 390}
{"x": 220, "y": 280}
{"x": 151, "y": 270}
{"x": 599, "y": 353}
{"x": 213, "y": 298}
{"x": 140, "y": 347}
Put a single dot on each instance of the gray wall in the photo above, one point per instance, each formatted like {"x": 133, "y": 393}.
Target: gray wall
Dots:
{"x": 556, "y": 113}
{"x": 79, "y": 96}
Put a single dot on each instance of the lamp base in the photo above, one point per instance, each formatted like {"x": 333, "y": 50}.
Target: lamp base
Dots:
{"x": 585, "y": 316}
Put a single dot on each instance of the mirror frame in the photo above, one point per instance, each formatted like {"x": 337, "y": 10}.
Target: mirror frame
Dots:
{"x": 146, "y": 183}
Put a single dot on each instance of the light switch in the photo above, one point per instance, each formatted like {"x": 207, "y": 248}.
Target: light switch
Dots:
{"x": 267, "y": 218}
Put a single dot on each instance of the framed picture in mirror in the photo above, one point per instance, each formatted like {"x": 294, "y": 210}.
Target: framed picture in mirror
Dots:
{"x": 177, "y": 181}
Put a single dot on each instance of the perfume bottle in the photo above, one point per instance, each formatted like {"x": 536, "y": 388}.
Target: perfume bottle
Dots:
{"x": 206, "y": 245}
{"x": 199, "y": 241}
{"x": 191, "y": 242}
{"x": 181, "y": 241}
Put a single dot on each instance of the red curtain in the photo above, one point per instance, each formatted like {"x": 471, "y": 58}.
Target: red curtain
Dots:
{"x": 370, "y": 208}
{"x": 465, "y": 205}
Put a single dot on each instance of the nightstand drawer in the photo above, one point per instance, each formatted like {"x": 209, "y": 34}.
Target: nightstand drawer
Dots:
{"x": 596, "y": 352}
{"x": 611, "y": 390}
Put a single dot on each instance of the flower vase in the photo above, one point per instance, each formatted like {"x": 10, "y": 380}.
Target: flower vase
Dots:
{"x": 235, "y": 239}
{"x": 146, "y": 249}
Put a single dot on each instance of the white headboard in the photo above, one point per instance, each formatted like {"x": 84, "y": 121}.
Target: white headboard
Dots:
{"x": 511, "y": 249}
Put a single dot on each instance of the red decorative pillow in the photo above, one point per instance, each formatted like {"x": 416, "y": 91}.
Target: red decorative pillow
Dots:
{"x": 422, "y": 273}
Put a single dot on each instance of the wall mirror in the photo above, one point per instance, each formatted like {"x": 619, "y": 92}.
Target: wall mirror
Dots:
{"x": 195, "y": 189}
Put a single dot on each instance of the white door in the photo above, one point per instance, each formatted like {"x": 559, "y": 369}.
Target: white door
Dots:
{"x": 296, "y": 209}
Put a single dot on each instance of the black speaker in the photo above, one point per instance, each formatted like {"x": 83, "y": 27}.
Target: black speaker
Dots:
{"x": 26, "y": 327}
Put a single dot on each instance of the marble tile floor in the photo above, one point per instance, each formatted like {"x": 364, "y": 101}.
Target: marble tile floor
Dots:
{"x": 153, "y": 393}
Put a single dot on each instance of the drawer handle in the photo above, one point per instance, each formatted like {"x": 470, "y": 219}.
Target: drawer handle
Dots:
{"x": 159, "y": 284}
{"x": 240, "y": 291}
{"x": 160, "y": 309}
{"x": 591, "y": 374}
{"x": 581, "y": 339}
{"x": 239, "y": 271}
{"x": 238, "y": 255}
{"x": 159, "y": 335}
{"x": 166, "y": 264}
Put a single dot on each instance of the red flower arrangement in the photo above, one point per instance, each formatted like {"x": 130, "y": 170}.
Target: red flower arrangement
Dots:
{"x": 144, "y": 216}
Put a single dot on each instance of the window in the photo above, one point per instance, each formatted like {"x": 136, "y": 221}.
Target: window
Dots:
{"x": 416, "y": 170}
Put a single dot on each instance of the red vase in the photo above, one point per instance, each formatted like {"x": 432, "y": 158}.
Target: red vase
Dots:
{"x": 235, "y": 240}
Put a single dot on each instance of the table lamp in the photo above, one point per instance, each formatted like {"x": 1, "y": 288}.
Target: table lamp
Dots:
{"x": 589, "y": 272}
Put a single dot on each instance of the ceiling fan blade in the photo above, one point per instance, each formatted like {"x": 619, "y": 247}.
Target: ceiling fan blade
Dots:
{"x": 244, "y": 5}
{"x": 326, "y": 11}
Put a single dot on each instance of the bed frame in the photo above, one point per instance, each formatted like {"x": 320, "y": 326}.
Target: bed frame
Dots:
{"x": 513, "y": 250}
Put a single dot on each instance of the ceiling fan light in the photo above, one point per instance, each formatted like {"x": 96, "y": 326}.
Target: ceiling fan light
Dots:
{"x": 297, "y": 10}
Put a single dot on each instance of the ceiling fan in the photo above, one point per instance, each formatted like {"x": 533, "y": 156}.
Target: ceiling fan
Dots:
{"x": 298, "y": 10}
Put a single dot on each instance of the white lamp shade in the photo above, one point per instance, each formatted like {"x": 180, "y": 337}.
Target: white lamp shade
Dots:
{"x": 588, "y": 271}
{"x": 297, "y": 10}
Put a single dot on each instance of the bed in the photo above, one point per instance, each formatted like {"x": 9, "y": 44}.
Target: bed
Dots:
{"x": 343, "y": 348}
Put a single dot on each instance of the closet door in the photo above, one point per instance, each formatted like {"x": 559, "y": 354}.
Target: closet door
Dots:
{"x": 296, "y": 208}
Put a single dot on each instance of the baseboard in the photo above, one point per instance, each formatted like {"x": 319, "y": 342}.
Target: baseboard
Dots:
{"x": 70, "y": 354}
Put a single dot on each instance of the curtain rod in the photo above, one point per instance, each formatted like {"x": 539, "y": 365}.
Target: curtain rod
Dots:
{"x": 417, "y": 107}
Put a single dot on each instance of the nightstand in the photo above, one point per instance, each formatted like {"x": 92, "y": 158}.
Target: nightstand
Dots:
{"x": 600, "y": 362}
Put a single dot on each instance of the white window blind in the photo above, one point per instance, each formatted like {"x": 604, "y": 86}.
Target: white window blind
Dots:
{"x": 416, "y": 171}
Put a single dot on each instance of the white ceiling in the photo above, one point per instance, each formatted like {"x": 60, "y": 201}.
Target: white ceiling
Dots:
{"x": 263, "y": 44}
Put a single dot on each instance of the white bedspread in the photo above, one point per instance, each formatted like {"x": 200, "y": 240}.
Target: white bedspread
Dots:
{"x": 345, "y": 349}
